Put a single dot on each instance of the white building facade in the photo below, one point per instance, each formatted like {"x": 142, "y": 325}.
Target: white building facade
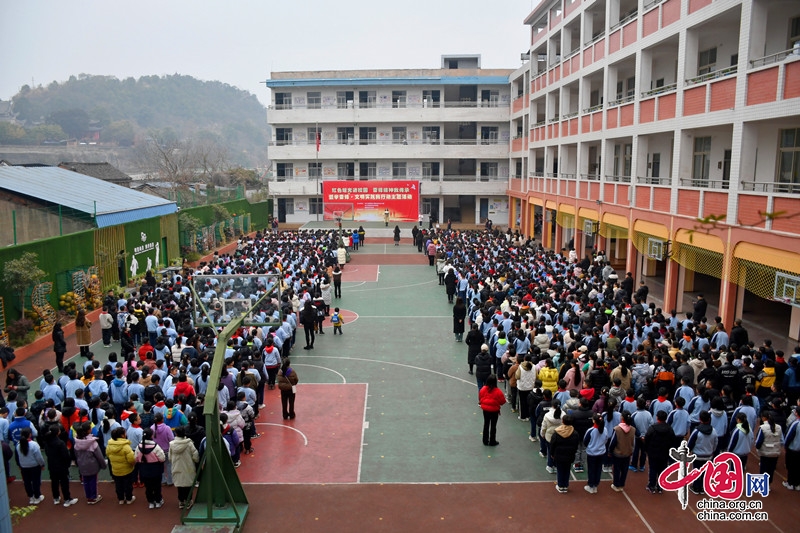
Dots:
{"x": 448, "y": 128}
{"x": 667, "y": 133}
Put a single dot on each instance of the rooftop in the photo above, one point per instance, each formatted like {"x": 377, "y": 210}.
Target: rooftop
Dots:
{"x": 110, "y": 204}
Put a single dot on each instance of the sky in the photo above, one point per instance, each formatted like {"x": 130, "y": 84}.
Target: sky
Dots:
{"x": 239, "y": 42}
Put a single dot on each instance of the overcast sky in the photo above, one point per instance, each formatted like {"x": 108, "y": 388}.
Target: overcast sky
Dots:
{"x": 241, "y": 41}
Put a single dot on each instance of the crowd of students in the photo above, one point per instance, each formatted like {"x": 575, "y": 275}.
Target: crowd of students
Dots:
{"x": 608, "y": 381}
{"x": 141, "y": 414}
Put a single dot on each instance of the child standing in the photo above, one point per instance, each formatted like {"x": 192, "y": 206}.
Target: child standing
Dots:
{"x": 336, "y": 321}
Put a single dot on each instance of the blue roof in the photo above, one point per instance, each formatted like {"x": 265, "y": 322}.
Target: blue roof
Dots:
{"x": 111, "y": 204}
{"x": 365, "y": 82}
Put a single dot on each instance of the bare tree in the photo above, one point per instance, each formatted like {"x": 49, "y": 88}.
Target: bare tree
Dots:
{"x": 168, "y": 157}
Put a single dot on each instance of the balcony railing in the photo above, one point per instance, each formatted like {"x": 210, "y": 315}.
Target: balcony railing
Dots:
{"x": 712, "y": 75}
{"x": 570, "y": 115}
{"x": 704, "y": 183}
{"x": 540, "y": 123}
{"x": 394, "y": 142}
{"x": 590, "y": 177}
{"x": 660, "y": 90}
{"x": 771, "y": 187}
{"x": 568, "y": 176}
{"x": 350, "y": 177}
{"x": 623, "y": 100}
{"x": 554, "y": 119}
{"x": 390, "y": 105}
{"x": 627, "y": 18}
{"x": 618, "y": 179}
{"x": 650, "y": 180}
{"x": 595, "y": 38}
{"x": 773, "y": 58}
{"x": 652, "y": 3}
{"x": 594, "y": 108}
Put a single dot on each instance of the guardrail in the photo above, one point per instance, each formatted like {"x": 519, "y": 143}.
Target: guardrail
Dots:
{"x": 771, "y": 187}
{"x": 712, "y": 75}
{"x": 650, "y": 180}
{"x": 773, "y": 58}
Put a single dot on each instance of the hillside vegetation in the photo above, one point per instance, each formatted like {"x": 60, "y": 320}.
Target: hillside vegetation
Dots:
{"x": 127, "y": 112}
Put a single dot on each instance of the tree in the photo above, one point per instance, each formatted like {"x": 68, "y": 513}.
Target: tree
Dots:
{"x": 168, "y": 157}
{"x": 121, "y": 132}
{"x": 20, "y": 274}
{"x": 74, "y": 122}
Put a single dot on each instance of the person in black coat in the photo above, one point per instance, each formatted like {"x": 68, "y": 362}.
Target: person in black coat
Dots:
{"x": 459, "y": 319}
{"x": 657, "y": 442}
{"x": 563, "y": 446}
{"x": 58, "y": 461}
{"x": 397, "y": 235}
{"x": 59, "y": 346}
{"x": 450, "y": 284}
{"x": 483, "y": 365}
{"x": 700, "y": 305}
{"x": 474, "y": 341}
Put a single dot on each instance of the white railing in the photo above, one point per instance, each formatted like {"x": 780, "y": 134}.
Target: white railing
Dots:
{"x": 590, "y": 177}
{"x": 712, "y": 75}
{"x": 650, "y": 180}
{"x": 594, "y": 108}
{"x": 618, "y": 179}
{"x": 390, "y": 105}
{"x": 704, "y": 183}
{"x": 621, "y": 101}
{"x": 659, "y": 90}
{"x": 773, "y": 58}
{"x": 627, "y": 18}
{"x": 771, "y": 187}
{"x": 651, "y": 4}
{"x": 394, "y": 142}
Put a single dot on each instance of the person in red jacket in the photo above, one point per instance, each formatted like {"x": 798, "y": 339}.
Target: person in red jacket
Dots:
{"x": 491, "y": 399}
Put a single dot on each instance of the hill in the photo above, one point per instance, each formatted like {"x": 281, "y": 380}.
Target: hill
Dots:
{"x": 116, "y": 112}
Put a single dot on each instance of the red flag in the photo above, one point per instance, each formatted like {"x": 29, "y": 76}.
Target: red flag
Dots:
{"x": 318, "y": 139}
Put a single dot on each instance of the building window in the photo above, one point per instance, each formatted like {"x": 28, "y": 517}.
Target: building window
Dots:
{"x": 430, "y": 170}
{"x": 789, "y": 157}
{"x": 366, "y": 99}
{"x": 367, "y": 170}
{"x": 490, "y": 98}
{"x": 488, "y": 170}
{"x": 655, "y": 168}
{"x": 430, "y": 134}
{"x": 283, "y": 136}
{"x": 283, "y": 100}
{"x": 707, "y": 61}
{"x": 345, "y": 135}
{"x": 346, "y": 170}
{"x": 399, "y": 135}
{"x": 367, "y": 135}
{"x": 398, "y": 98}
{"x": 430, "y": 98}
{"x": 701, "y": 164}
{"x": 285, "y": 170}
{"x": 344, "y": 99}
{"x": 314, "y": 100}
{"x": 315, "y": 206}
{"x": 488, "y": 134}
{"x": 315, "y": 170}
{"x": 312, "y": 135}
{"x": 794, "y": 32}
{"x": 622, "y": 160}
{"x": 626, "y": 88}
{"x": 399, "y": 170}
{"x": 288, "y": 206}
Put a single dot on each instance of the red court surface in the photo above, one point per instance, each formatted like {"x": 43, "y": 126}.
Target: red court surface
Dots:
{"x": 360, "y": 272}
{"x": 321, "y": 445}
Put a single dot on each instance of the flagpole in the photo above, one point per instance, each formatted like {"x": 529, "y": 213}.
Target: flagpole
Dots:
{"x": 319, "y": 170}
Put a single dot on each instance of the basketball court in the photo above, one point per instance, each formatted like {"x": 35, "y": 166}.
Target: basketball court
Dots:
{"x": 388, "y": 438}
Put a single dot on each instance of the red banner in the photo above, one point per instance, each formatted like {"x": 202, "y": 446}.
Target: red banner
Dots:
{"x": 369, "y": 200}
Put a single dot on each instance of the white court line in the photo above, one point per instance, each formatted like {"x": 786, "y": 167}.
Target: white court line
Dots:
{"x": 378, "y": 483}
{"x": 344, "y": 380}
{"x": 363, "y": 429}
{"x": 470, "y": 383}
{"x": 360, "y": 283}
{"x": 395, "y": 287}
{"x": 641, "y": 516}
{"x": 406, "y": 316}
{"x": 305, "y": 439}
